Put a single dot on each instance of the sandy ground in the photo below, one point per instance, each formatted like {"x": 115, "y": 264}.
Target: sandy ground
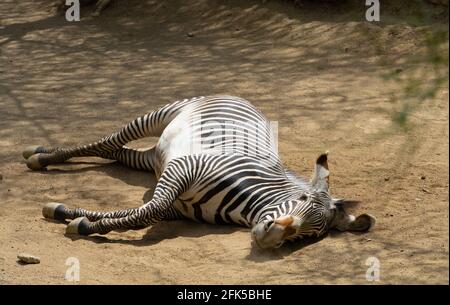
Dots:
{"x": 314, "y": 70}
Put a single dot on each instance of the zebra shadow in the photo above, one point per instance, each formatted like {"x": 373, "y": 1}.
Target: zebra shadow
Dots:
{"x": 259, "y": 255}
{"x": 165, "y": 230}
{"x": 158, "y": 232}
{"x": 168, "y": 230}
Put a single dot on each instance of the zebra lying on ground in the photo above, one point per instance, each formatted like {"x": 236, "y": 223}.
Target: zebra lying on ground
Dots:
{"x": 216, "y": 162}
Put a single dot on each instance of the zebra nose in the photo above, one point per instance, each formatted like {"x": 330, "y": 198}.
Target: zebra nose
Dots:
{"x": 285, "y": 220}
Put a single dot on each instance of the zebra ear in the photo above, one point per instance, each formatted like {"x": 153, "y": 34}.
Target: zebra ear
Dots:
{"x": 320, "y": 178}
{"x": 338, "y": 202}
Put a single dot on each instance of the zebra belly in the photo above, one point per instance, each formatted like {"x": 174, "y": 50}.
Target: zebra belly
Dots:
{"x": 192, "y": 205}
{"x": 197, "y": 131}
{"x": 216, "y": 126}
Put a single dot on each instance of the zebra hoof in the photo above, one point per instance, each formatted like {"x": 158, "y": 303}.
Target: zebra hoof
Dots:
{"x": 31, "y": 150}
{"x": 33, "y": 162}
{"x": 79, "y": 226}
{"x": 54, "y": 210}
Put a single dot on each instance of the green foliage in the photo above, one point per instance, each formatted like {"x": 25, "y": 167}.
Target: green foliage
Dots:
{"x": 430, "y": 72}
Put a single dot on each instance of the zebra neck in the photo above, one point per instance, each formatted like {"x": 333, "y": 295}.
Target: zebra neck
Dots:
{"x": 301, "y": 182}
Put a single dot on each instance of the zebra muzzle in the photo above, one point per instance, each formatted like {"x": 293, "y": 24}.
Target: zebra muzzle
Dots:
{"x": 285, "y": 221}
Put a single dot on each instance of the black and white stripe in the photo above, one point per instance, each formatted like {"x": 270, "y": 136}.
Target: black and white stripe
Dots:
{"x": 230, "y": 174}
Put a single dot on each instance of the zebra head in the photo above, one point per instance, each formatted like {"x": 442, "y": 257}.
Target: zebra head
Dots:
{"x": 313, "y": 213}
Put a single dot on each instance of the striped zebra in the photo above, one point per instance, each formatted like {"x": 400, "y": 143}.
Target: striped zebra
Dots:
{"x": 216, "y": 161}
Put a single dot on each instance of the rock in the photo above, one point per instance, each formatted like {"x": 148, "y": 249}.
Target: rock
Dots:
{"x": 1, "y": 177}
{"x": 423, "y": 177}
{"x": 190, "y": 34}
{"x": 28, "y": 258}
{"x": 387, "y": 179}
{"x": 426, "y": 191}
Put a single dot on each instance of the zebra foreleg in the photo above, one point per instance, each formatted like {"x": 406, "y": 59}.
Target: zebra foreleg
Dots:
{"x": 138, "y": 219}
{"x": 59, "y": 211}
{"x": 175, "y": 180}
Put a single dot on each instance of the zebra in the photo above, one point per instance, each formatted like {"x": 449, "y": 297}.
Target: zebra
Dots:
{"x": 216, "y": 161}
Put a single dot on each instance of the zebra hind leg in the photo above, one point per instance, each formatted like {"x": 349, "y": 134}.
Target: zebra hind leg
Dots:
{"x": 86, "y": 222}
{"x": 39, "y": 157}
{"x": 171, "y": 184}
{"x": 150, "y": 125}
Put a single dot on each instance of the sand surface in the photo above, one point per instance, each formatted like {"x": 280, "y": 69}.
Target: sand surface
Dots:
{"x": 315, "y": 70}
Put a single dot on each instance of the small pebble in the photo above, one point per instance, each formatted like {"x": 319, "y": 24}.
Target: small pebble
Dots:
{"x": 28, "y": 258}
{"x": 387, "y": 179}
{"x": 423, "y": 177}
{"x": 190, "y": 34}
{"x": 426, "y": 191}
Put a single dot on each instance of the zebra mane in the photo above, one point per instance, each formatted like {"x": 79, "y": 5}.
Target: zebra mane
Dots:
{"x": 298, "y": 180}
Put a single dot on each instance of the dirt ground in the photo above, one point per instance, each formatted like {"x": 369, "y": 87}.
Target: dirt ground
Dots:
{"x": 316, "y": 70}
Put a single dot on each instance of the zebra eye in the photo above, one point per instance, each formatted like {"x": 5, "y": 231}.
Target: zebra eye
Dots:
{"x": 303, "y": 197}
{"x": 268, "y": 224}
